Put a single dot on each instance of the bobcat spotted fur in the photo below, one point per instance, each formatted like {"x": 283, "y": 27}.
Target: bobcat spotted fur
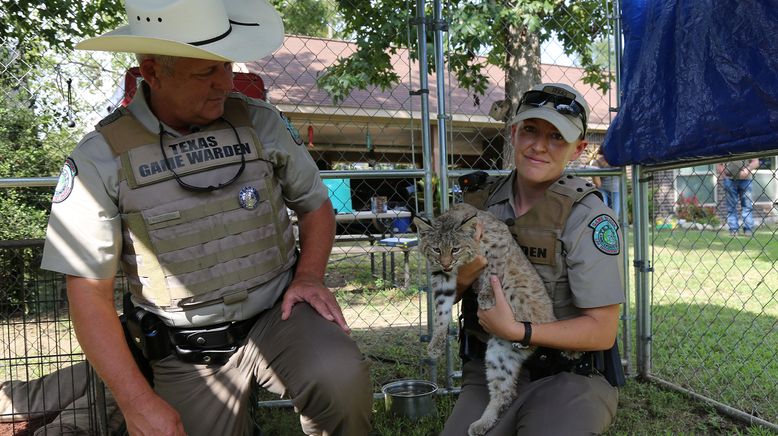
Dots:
{"x": 449, "y": 241}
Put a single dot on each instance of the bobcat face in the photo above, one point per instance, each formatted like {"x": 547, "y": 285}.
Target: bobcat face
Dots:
{"x": 448, "y": 241}
{"x": 447, "y": 256}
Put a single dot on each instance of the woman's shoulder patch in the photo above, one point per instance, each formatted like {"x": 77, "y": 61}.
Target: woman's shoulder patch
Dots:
{"x": 293, "y": 132}
{"x": 67, "y": 178}
{"x": 605, "y": 234}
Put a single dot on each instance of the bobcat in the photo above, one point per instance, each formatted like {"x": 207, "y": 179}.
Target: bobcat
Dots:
{"x": 450, "y": 241}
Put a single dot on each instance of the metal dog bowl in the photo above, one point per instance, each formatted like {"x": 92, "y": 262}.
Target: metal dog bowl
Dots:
{"x": 410, "y": 398}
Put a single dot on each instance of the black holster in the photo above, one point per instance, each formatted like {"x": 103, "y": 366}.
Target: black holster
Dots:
{"x": 471, "y": 335}
{"x": 134, "y": 336}
{"x": 613, "y": 369}
{"x": 147, "y": 331}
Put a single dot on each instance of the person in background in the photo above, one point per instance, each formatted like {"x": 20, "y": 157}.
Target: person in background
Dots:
{"x": 737, "y": 177}
{"x": 186, "y": 189}
{"x": 573, "y": 240}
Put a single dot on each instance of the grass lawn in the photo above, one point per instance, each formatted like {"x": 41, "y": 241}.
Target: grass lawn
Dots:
{"x": 715, "y": 316}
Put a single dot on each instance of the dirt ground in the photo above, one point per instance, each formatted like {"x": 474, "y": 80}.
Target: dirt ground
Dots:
{"x": 24, "y": 428}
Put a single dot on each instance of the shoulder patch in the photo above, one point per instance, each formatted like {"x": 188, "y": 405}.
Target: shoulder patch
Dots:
{"x": 67, "y": 178}
{"x": 605, "y": 234}
{"x": 293, "y": 132}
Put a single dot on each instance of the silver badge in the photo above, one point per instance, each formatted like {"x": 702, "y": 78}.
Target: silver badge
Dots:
{"x": 248, "y": 197}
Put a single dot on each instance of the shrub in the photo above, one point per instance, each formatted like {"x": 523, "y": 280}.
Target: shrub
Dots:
{"x": 690, "y": 209}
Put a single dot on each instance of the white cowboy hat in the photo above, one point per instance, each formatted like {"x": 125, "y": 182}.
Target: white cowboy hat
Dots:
{"x": 223, "y": 30}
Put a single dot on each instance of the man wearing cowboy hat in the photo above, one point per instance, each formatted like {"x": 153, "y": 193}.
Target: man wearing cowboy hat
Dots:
{"x": 186, "y": 189}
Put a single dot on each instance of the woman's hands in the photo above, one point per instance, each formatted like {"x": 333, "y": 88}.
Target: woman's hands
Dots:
{"x": 499, "y": 320}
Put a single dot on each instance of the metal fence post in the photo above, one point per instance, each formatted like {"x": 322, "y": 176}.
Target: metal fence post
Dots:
{"x": 642, "y": 267}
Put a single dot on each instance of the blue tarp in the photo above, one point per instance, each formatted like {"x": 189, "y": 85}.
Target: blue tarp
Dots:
{"x": 699, "y": 79}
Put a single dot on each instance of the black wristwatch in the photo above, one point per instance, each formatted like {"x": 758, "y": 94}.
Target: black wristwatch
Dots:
{"x": 527, "y": 336}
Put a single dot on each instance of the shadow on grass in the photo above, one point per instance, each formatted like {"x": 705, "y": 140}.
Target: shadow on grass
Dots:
{"x": 761, "y": 246}
{"x": 725, "y": 354}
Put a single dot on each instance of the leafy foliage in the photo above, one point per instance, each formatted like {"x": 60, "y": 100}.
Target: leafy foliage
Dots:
{"x": 57, "y": 24}
{"x": 479, "y": 34}
{"x": 306, "y": 17}
{"x": 28, "y": 148}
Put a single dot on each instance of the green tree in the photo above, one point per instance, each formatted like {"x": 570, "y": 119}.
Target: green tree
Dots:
{"x": 505, "y": 33}
{"x": 308, "y": 17}
{"x": 56, "y": 24}
{"x": 30, "y": 146}
{"x": 30, "y": 142}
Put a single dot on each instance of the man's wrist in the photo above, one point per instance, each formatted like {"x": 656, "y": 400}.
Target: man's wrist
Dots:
{"x": 307, "y": 281}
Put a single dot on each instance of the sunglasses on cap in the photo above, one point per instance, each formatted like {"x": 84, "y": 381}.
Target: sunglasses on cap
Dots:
{"x": 564, "y": 103}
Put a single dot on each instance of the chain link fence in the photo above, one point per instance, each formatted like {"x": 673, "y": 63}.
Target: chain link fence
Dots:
{"x": 708, "y": 321}
{"x": 380, "y": 155}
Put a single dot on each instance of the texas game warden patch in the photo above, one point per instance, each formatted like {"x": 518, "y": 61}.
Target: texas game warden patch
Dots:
{"x": 66, "y": 179}
{"x": 605, "y": 234}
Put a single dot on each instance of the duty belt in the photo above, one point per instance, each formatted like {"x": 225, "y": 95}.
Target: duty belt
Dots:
{"x": 209, "y": 345}
{"x": 544, "y": 361}
{"x": 205, "y": 345}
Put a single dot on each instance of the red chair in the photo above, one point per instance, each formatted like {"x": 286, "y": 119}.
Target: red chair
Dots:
{"x": 246, "y": 83}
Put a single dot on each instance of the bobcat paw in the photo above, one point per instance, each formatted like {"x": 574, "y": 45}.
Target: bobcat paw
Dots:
{"x": 485, "y": 301}
{"x": 435, "y": 347}
{"x": 572, "y": 355}
{"x": 479, "y": 428}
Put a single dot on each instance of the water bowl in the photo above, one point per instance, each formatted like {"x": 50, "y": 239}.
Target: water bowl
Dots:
{"x": 410, "y": 398}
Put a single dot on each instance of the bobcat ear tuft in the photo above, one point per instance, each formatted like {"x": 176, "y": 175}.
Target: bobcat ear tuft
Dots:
{"x": 422, "y": 223}
{"x": 466, "y": 220}
{"x": 470, "y": 225}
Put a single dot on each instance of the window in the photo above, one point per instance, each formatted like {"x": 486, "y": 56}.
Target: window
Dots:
{"x": 765, "y": 185}
{"x": 699, "y": 181}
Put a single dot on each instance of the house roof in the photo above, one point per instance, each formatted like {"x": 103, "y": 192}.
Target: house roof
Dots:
{"x": 290, "y": 75}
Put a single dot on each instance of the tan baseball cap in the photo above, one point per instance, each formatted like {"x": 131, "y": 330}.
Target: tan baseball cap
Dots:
{"x": 559, "y": 104}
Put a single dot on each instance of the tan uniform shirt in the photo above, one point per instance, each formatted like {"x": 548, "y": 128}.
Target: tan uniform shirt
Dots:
{"x": 84, "y": 232}
{"x": 594, "y": 275}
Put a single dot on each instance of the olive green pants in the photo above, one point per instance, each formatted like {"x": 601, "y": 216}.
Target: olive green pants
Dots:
{"x": 306, "y": 359}
{"x": 62, "y": 392}
{"x": 560, "y": 405}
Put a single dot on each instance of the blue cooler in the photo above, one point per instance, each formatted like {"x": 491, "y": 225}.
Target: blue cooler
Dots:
{"x": 339, "y": 191}
{"x": 402, "y": 224}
